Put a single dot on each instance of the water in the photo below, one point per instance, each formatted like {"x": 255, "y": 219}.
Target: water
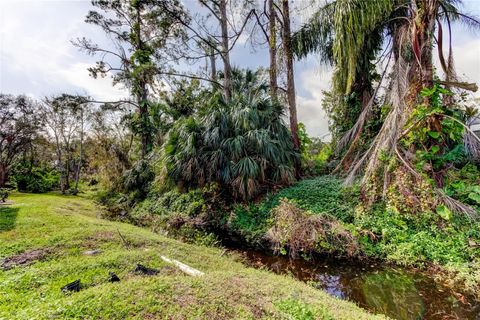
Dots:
{"x": 399, "y": 294}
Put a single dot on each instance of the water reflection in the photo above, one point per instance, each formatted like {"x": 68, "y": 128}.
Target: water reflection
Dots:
{"x": 400, "y": 294}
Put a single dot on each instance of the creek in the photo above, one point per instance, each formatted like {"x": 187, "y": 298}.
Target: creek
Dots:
{"x": 402, "y": 294}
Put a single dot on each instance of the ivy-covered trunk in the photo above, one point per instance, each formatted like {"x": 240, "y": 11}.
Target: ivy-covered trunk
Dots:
{"x": 144, "y": 120}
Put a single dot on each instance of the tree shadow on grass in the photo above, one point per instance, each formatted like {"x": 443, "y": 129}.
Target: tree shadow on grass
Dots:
{"x": 8, "y": 216}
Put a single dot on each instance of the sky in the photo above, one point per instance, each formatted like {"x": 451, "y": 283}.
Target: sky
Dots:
{"x": 38, "y": 59}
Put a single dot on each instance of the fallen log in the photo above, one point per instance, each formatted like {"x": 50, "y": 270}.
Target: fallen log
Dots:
{"x": 182, "y": 266}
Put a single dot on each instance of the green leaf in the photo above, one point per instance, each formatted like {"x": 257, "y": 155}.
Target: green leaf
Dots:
{"x": 444, "y": 212}
{"x": 435, "y": 149}
{"x": 474, "y": 196}
{"x": 476, "y": 189}
{"x": 458, "y": 186}
{"x": 434, "y": 134}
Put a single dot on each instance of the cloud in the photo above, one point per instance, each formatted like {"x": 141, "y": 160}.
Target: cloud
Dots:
{"x": 309, "y": 104}
{"x": 101, "y": 88}
{"x": 38, "y": 58}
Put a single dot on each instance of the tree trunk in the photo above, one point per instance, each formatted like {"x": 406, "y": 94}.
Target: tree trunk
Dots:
{"x": 273, "y": 49}
{"x": 143, "y": 114}
{"x": 287, "y": 47}
{"x": 67, "y": 173}
{"x": 227, "y": 70}
{"x": 213, "y": 66}
{"x": 80, "y": 158}
{"x": 142, "y": 95}
{"x": 61, "y": 169}
{"x": 3, "y": 175}
{"x": 426, "y": 44}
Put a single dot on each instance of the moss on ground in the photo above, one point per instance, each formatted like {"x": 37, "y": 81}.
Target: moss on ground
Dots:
{"x": 64, "y": 227}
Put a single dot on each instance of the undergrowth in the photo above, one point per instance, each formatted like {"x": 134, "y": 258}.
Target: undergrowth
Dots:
{"x": 325, "y": 217}
{"x": 64, "y": 228}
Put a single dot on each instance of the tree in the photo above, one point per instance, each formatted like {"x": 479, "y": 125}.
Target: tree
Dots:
{"x": 271, "y": 16}
{"x": 272, "y": 48}
{"x": 19, "y": 125}
{"x": 213, "y": 42}
{"x": 144, "y": 34}
{"x": 288, "y": 52}
{"x": 110, "y": 145}
{"x": 65, "y": 118}
{"x": 82, "y": 111}
{"x": 409, "y": 27}
{"x": 343, "y": 108}
{"x": 243, "y": 145}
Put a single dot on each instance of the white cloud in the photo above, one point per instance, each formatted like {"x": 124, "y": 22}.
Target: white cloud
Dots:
{"x": 309, "y": 105}
{"x": 36, "y": 55}
{"x": 101, "y": 88}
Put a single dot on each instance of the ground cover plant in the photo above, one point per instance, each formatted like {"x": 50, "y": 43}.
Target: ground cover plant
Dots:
{"x": 346, "y": 228}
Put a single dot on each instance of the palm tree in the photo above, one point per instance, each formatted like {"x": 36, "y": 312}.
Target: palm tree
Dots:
{"x": 349, "y": 33}
{"x": 243, "y": 144}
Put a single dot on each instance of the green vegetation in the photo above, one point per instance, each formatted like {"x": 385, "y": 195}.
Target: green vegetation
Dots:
{"x": 52, "y": 232}
{"x": 211, "y": 158}
{"x": 322, "y": 195}
{"x": 34, "y": 179}
{"x": 243, "y": 145}
{"x": 3, "y": 194}
{"x": 325, "y": 212}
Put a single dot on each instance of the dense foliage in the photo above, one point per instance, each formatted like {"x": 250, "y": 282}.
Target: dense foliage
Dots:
{"x": 212, "y": 156}
{"x": 242, "y": 144}
{"x": 19, "y": 124}
{"x": 35, "y": 179}
{"x": 343, "y": 226}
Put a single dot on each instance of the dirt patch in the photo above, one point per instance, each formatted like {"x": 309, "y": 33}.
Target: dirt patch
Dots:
{"x": 24, "y": 259}
{"x": 170, "y": 271}
{"x": 92, "y": 241}
{"x": 6, "y": 203}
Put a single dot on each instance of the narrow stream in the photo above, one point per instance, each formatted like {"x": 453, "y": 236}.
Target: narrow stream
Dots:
{"x": 399, "y": 294}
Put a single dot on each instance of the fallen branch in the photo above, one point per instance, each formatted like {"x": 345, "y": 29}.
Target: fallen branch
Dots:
{"x": 124, "y": 241}
{"x": 187, "y": 269}
{"x": 462, "y": 85}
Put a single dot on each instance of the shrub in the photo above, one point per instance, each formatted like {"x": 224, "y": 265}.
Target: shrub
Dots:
{"x": 464, "y": 185}
{"x": 137, "y": 180}
{"x": 165, "y": 206}
{"x": 3, "y": 194}
{"x": 35, "y": 179}
{"x": 303, "y": 233}
{"x": 322, "y": 195}
{"x": 179, "y": 214}
{"x": 315, "y": 153}
{"x": 418, "y": 238}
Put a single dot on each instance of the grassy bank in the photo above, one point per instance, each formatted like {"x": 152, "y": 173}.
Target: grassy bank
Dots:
{"x": 43, "y": 243}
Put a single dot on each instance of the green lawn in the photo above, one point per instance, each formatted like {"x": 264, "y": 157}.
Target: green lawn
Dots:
{"x": 62, "y": 228}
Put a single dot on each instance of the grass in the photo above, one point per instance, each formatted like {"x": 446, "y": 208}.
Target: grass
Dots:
{"x": 64, "y": 227}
